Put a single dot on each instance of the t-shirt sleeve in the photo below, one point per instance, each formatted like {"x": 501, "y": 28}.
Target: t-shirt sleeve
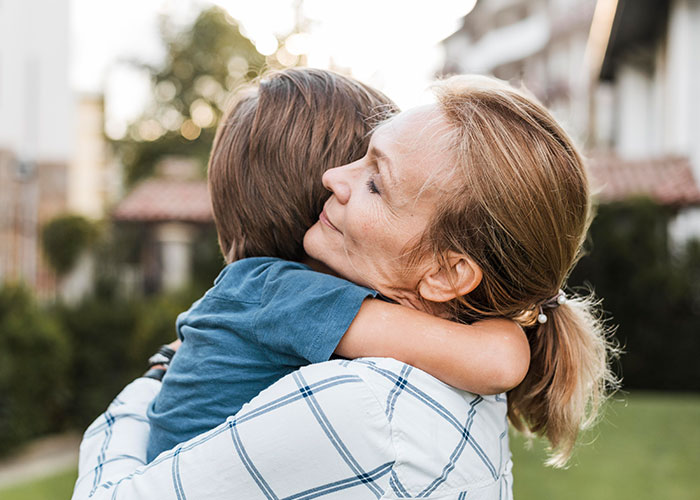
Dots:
{"x": 304, "y": 314}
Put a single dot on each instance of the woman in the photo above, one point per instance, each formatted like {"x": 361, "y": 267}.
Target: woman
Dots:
{"x": 485, "y": 181}
{"x": 484, "y": 186}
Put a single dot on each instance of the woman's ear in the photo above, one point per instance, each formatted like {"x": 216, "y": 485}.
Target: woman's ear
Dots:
{"x": 460, "y": 276}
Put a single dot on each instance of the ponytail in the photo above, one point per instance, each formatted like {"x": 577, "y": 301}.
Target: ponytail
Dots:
{"x": 518, "y": 204}
{"x": 569, "y": 376}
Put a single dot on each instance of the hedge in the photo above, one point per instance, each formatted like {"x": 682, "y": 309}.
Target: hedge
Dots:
{"x": 650, "y": 288}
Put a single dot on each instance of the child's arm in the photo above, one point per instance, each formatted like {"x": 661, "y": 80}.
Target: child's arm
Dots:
{"x": 487, "y": 357}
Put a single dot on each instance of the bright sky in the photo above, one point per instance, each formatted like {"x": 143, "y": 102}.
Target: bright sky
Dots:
{"x": 391, "y": 44}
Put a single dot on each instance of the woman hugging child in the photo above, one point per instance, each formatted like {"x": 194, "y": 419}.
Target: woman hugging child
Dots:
{"x": 273, "y": 309}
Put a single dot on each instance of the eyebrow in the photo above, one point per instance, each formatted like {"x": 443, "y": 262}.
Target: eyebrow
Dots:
{"x": 383, "y": 159}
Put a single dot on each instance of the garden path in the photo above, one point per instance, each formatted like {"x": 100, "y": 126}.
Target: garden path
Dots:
{"x": 42, "y": 457}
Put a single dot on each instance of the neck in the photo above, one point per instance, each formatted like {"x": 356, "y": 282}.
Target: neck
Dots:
{"x": 405, "y": 298}
{"x": 319, "y": 266}
{"x": 413, "y": 300}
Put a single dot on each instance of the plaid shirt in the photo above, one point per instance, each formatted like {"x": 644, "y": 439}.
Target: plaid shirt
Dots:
{"x": 369, "y": 428}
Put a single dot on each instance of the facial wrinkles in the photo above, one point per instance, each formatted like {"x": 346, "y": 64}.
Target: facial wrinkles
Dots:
{"x": 438, "y": 158}
{"x": 353, "y": 246}
{"x": 401, "y": 154}
{"x": 377, "y": 255}
{"x": 416, "y": 152}
{"x": 382, "y": 278}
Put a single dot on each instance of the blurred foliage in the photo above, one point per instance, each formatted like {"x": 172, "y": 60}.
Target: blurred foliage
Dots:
{"x": 112, "y": 338}
{"x": 34, "y": 357}
{"x": 99, "y": 331}
{"x": 207, "y": 259}
{"x": 156, "y": 323}
{"x": 113, "y": 333}
{"x": 61, "y": 366}
{"x": 64, "y": 238}
{"x": 650, "y": 290}
{"x": 204, "y": 63}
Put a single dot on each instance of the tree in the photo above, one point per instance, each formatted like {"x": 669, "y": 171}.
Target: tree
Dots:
{"x": 203, "y": 65}
{"x": 64, "y": 238}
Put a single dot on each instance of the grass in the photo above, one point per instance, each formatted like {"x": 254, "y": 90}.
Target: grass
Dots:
{"x": 647, "y": 447}
{"x": 56, "y": 487}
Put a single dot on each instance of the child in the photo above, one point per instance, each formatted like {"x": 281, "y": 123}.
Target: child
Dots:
{"x": 267, "y": 316}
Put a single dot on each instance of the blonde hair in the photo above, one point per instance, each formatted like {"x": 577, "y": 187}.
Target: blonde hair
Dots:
{"x": 519, "y": 206}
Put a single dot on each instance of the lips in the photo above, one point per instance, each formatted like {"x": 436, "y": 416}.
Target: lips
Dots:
{"x": 325, "y": 220}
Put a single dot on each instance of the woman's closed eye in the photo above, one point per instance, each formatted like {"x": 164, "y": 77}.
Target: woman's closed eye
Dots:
{"x": 372, "y": 186}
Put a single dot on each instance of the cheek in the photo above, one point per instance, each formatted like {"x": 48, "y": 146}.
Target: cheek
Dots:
{"x": 377, "y": 240}
{"x": 368, "y": 230}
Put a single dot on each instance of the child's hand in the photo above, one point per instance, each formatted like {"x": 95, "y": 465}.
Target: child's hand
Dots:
{"x": 174, "y": 345}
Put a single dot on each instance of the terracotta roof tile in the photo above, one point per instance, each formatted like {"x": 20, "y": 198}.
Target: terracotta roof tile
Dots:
{"x": 667, "y": 180}
{"x": 158, "y": 200}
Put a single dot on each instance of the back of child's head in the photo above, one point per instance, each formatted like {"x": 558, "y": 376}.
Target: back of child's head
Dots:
{"x": 271, "y": 150}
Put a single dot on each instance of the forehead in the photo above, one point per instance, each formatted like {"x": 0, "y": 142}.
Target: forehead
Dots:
{"x": 414, "y": 128}
{"x": 417, "y": 144}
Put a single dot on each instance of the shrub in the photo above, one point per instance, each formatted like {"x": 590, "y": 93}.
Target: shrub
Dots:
{"x": 649, "y": 291}
{"x": 100, "y": 330}
{"x": 34, "y": 360}
{"x": 112, "y": 338}
{"x": 64, "y": 238}
{"x": 156, "y": 323}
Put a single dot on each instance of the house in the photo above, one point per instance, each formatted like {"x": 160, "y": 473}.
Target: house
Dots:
{"x": 172, "y": 211}
{"x": 647, "y": 85}
{"x": 540, "y": 43}
{"x": 622, "y": 76}
{"x": 53, "y": 155}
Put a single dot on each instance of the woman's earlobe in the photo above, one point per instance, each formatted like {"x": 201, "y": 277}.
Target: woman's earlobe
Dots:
{"x": 459, "y": 277}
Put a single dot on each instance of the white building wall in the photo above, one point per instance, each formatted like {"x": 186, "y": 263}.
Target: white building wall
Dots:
{"x": 659, "y": 103}
{"x": 694, "y": 87}
{"x": 457, "y": 51}
{"x": 509, "y": 43}
{"x": 682, "y": 136}
{"x": 91, "y": 183}
{"x": 175, "y": 242}
{"x": 36, "y": 103}
{"x": 579, "y": 88}
{"x": 678, "y": 77}
{"x": 634, "y": 94}
{"x": 685, "y": 226}
{"x": 604, "y": 114}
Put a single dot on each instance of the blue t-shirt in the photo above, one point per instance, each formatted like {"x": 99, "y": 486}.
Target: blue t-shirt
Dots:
{"x": 263, "y": 319}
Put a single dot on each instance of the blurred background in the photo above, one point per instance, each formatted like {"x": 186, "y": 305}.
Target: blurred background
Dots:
{"x": 107, "y": 114}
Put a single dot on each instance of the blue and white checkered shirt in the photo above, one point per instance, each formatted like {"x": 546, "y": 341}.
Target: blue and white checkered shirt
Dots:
{"x": 369, "y": 428}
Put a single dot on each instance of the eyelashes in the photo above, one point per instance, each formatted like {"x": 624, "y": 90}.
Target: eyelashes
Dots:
{"x": 372, "y": 186}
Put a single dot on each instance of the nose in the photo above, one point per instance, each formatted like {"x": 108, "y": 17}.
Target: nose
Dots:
{"x": 338, "y": 181}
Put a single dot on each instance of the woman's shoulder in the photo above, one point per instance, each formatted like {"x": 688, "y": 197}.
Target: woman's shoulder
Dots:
{"x": 388, "y": 375}
{"x": 446, "y": 440}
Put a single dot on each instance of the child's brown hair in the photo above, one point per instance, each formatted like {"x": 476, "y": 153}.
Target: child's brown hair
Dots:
{"x": 271, "y": 150}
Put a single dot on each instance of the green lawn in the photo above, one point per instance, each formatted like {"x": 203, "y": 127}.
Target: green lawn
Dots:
{"x": 647, "y": 447}
{"x": 58, "y": 487}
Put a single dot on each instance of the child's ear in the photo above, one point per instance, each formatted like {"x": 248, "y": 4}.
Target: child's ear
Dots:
{"x": 458, "y": 277}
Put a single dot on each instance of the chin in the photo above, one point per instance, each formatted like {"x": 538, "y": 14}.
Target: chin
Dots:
{"x": 317, "y": 247}
{"x": 311, "y": 244}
